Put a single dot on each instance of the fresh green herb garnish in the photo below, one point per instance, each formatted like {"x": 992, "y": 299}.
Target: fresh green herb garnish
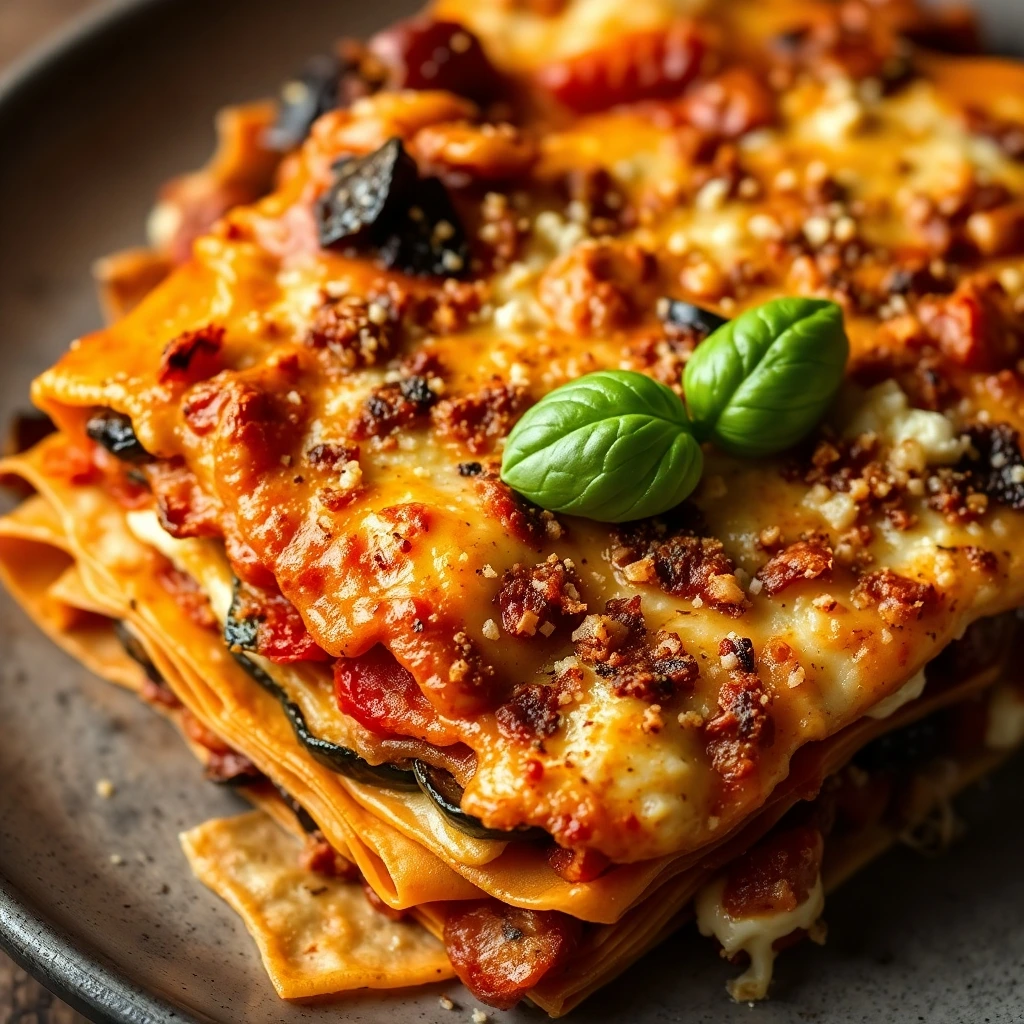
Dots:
{"x": 762, "y": 381}
{"x": 617, "y": 445}
{"x": 612, "y": 446}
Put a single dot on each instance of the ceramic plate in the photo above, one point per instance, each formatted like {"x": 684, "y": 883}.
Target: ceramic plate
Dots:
{"x": 88, "y": 131}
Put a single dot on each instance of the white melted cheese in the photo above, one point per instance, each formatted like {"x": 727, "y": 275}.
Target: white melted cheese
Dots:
{"x": 910, "y": 690}
{"x": 517, "y": 36}
{"x": 190, "y": 556}
{"x": 754, "y": 936}
{"x": 885, "y": 411}
{"x": 1005, "y": 728}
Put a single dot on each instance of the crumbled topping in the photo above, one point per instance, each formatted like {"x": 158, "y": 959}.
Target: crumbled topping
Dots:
{"x": 804, "y": 560}
{"x": 531, "y": 714}
{"x": 597, "y": 287}
{"x": 192, "y": 356}
{"x": 742, "y": 727}
{"x": 684, "y": 564}
{"x": 394, "y": 406}
{"x": 480, "y": 420}
{"x": 899, "y": 600}
{"x": 616, "y": 644}
{"x": 525, "y": 521}
{"x": 354, "y": 332}
{"x": 540, "y": 598}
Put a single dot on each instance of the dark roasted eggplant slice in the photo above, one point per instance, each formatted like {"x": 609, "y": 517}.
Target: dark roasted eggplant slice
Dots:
{"x": 240, "y": 633}
{"x": 428, "y": 239}
{"x": 304, "y": 98}
{"x": 114, "y": 431}
{"x": 340, "y": 759}
{"x": 134, "y": 649}
{"x": 685, "y": 317}
{"x": 367, "y": 195}
{"x": 379, "y": 201}
{"x": 446, "y": 795}
{"x": 997, "y": 469}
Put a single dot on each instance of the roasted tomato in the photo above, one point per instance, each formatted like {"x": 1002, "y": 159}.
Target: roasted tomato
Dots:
{"x": 500, "y": 952}
{"x": 421, "y": 53}
{"x": 264, "y": 621}
{"x": 383, "y": 695}
{"x": 642, "y": 66}
{"x": 775, "y": 876}
{"x": 577, "y": 865}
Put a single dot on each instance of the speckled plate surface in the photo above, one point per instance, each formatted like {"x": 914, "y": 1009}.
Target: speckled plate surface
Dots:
{"x": 87, "y": 132}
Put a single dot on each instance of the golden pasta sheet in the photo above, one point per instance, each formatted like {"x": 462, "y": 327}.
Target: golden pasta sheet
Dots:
{"x": 70, "y": 557}
{"x": 37, "y": 567}
{"x": 317, "y": 935}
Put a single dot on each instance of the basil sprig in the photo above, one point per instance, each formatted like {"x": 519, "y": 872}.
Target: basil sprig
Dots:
{"x": 617, "y": 445}
{"x": 612, "y": 446}
{"x": 761, "y": 382}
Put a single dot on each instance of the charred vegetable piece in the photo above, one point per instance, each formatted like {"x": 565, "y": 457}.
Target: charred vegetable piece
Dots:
{"x": 428, "y": 239}
{"x": 240, "y": 634}
{"x": 903, "y": 748}
{"x": 686, "y": 317}
{"x": 379, "y": 201}
{"x": 501, "y": 952}
{"x": 340, "y": 759}
{"x": 304, "y": 98}
{"x": 998, "y": 469}
{"x": 114, "y": 431}
{"x": 446, "y": 795}
{"x": 134, "y": 649}
{"x": 368, "y": 195}
{"x": 26, "y": 429}
{"x": 421, "y": 53}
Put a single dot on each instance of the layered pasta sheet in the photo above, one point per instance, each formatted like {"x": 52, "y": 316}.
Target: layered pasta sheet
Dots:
{"x": 71, "y": 557}
{"x": 483, "y": 737}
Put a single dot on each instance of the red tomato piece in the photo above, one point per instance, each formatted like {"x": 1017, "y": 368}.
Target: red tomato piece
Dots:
{"x": 381, "y": 694}
{"x": 642, "y": 66}
{"x": 500, "y": 952}
{"x": 776, "y": 875}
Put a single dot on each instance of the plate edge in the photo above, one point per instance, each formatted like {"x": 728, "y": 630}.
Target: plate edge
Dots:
{"x": 82, "y": 978}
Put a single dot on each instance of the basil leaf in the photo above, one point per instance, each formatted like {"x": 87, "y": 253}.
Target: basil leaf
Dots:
{"x": 611, "y": 446}
{"x": 762, "y": 381}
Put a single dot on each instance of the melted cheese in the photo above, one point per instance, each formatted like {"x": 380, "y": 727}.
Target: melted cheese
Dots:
{"x": 521, "y": 37}
{"x": 885, "y": 411}
{"x": 910, "y": 690}
{"x": 754, "y": 936}
{"x": 415, "y": 559}
{"x": 1005, "y": 729}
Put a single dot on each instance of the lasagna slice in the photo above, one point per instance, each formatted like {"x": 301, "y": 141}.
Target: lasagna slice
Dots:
{"x": 549, "y": 741}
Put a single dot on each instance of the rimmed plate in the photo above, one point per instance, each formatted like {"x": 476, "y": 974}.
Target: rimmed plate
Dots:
{"x": 88, "y": 131}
